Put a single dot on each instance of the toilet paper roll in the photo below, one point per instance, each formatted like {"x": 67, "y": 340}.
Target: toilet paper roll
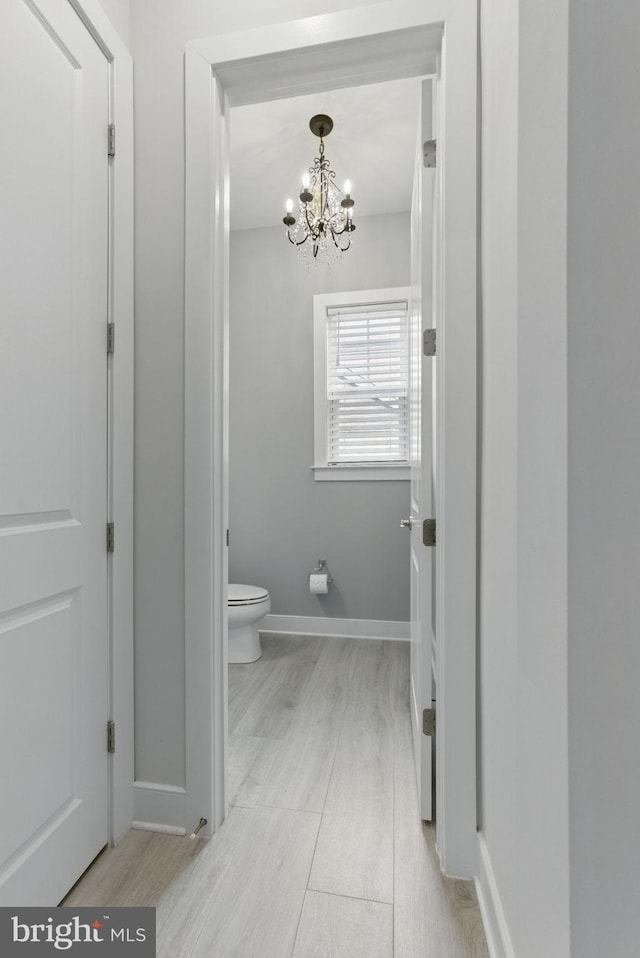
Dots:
{"x": 318, "y": 583}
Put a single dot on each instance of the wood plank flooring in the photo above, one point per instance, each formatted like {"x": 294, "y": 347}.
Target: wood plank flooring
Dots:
{"x": 354, "y": 855}
{"x": 323, "y": 854}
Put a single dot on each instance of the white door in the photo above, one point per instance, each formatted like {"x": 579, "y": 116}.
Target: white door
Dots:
{"x": 421, "y": 444}
{"x": 53, "y": 431}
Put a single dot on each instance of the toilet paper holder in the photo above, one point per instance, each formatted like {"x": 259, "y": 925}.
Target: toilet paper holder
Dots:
{"x": 321, "y": 569}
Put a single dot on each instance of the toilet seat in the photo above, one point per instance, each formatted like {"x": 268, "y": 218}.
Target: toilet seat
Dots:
{"x": 245, "y": 594}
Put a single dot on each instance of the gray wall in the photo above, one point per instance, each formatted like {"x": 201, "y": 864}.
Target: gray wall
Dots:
{"x": 604, "y": 476}
{"x": 281, "y": 519}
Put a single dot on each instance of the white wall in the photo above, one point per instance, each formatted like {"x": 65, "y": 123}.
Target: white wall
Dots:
{"x": 523, "y": 598}
{"x": 159, "y": 30}
{"x": 604, "y": 471}
{"x": 118, "y": 12}
{"x": 281, "y": 519}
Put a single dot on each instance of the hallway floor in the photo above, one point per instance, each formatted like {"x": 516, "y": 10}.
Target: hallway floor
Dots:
{"x": 323, "y": 853}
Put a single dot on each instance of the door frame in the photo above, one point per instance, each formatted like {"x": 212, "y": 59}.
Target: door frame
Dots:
{"x": 120, "y": 416}
{"x": 421, "y": 381}
{"x": 261, "y": 64}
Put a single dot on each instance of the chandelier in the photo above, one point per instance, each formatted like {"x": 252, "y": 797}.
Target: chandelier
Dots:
{"x": 324, "y": 226}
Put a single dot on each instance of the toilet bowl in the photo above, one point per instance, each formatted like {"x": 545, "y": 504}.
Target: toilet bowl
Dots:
{"x": 247, "y": 605}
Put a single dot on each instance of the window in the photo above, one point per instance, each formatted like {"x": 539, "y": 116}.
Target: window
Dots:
{"x": 361, "y": 355}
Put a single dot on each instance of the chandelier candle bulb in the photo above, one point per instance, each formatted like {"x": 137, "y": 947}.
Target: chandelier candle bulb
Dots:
{"x": 347, "y": 203}
{"x": 289, "y": 220}
{"x": 305, "y": 195}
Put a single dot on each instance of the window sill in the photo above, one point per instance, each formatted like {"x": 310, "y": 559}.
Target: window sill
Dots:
{"x": 360, "y": 473}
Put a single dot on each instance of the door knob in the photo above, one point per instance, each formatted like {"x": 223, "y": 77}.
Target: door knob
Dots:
{"x": 406, "y": 523}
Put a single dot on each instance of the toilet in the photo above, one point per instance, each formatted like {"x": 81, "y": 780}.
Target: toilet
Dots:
{"x": 247, "y": 604}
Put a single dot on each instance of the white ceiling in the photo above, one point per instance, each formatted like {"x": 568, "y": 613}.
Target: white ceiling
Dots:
{"x": 373, "y": 144}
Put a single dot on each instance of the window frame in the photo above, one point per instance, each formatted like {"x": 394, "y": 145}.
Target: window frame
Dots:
{"x": 345, "y": 471}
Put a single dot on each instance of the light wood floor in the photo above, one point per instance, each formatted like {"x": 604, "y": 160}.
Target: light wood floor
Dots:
{"x": 323, "y": 854}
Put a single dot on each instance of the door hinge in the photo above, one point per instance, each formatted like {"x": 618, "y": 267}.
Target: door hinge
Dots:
{"x": 111, "y": 139}
{"x": 429, "y": 722}
{"x": 429, "y": 532}
{"x": 111, "y": 736}
{"x": 429, "y": 342}
{"x": 111, "y": 537}
{"x": 111, "y": 337}
{"x": 430, "y": 154}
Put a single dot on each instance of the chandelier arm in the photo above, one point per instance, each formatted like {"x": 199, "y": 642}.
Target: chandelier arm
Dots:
{"x": 296, "y": 242}
{"x": 338, "y": 245}
{"x": 312, "y": 231}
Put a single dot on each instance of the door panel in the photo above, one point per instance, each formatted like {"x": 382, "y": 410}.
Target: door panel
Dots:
{"x": 54, "y": 89}
{"x": 423, "y": 644}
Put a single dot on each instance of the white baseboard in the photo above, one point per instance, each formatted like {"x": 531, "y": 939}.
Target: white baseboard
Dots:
{"x": 159, "y": 808}
{"x": 493, "y": 918}
{"x": 336, "y": 628}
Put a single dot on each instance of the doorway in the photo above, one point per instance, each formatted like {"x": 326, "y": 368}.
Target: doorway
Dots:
{"x": 287, "y": 508}
{"x": 346, "y": 49}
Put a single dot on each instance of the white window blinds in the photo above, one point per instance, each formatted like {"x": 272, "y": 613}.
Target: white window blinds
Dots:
{"x": 367, "y": 383}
